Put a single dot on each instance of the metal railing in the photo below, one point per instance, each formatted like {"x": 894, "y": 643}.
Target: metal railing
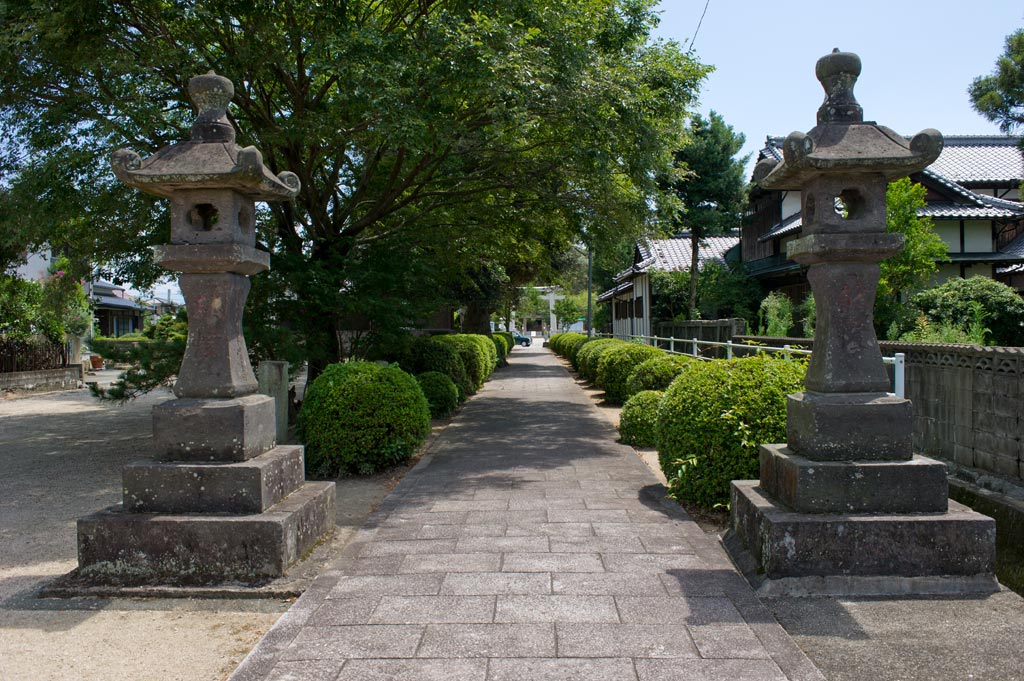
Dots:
{"x": 691, "y": 346}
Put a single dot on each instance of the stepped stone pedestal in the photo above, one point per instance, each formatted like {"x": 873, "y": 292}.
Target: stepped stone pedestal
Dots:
{"x": 222, "y": 502}
{"x": 845, "y": 507}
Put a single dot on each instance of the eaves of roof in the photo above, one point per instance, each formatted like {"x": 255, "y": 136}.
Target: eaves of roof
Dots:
{"x": 612, "y": 292}
{"x": 790, "y": 225}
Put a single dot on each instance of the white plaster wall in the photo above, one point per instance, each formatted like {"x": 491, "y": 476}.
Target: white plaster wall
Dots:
{"x": 35, "y": 267}
{"x": 949, "y": 231}
{"x": 977, "y": 236}
{"x": 790, "y": 204}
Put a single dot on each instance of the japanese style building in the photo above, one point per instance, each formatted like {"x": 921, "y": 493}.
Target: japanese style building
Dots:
{"x": 973, "y": 200}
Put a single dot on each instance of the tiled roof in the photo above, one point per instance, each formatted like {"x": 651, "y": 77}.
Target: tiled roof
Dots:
{"x": 673, "y": 254}
{"x": 981, "y": 159}
{"x": 612, "y": 292}
{"x": 790, "y": 225}
{"x": 948, "y": 210}
{"x": 972, "y": 204}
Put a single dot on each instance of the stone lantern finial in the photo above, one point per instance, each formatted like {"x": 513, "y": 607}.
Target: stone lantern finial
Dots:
{"x": 838, "y": 73}
{"x": 211, "y": 95}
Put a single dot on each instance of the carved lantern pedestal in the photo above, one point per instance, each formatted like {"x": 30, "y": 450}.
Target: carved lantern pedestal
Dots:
{"x": 845, "y": 506}
{"x": 222, "y": 502}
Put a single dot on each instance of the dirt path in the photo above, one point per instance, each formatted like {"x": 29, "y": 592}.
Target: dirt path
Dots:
{"x": 61, "y": 455}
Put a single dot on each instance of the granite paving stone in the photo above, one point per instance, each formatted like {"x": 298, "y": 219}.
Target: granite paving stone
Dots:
{"x": 552, "y": 562}
{"x": 625, "y": 640}
{"x": 414, "y": 670}
{"x": 423, "y": 609}
{"x": 582, "y": 669}
{"x": 528, "y": 545}
{"x": 556, "y": 609}
{"x": 488, "y": 640}
{"x": 484, "y": 584}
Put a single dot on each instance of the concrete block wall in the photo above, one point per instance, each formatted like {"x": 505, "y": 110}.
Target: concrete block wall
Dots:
{"x": 968, "y": 401}
{"x": 968, "y": 404}
{"x": 44, "y": 380}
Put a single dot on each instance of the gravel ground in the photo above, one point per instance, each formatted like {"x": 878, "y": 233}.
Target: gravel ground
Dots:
{"x": 61, "y": 455}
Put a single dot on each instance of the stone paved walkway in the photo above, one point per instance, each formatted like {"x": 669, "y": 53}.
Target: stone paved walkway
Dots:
{"x": 529, "y": 545}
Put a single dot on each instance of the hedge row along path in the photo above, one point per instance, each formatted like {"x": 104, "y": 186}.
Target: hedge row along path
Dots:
{"x": 529, "y": 545}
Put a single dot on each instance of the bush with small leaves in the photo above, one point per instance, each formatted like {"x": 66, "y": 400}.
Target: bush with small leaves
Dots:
{"x": 616, "y": 365}
{"x": 510, "y": 340}
{"x": 656, "y": 373}
{"x": 638, "y": 421}
{"x": 442, "y": 395}
{"x": 589, "y": 356}
{"x": 360, "y": 417}
{"x": 501, "y": 346}
{"x": 713, "y": 418}
{"x": 428, "y": 354}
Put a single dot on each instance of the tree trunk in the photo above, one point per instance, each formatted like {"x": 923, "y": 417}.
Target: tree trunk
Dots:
{"x": 476, "y": 320}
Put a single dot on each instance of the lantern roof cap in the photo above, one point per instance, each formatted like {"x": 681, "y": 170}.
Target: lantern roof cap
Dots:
{"x": 842, "y": 141}
{"x": 211, "y": 159}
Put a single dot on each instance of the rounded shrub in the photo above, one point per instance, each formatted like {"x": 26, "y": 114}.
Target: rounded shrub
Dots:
{"x": 589, "y": 356}
{"x": 474, "y": 356}
{"x": 500, "y": 346}
{"x": 572, "y": 348}
{"x": 428, "y": 354}
{"x": 656, "y": 373}
{"x": 441, "y": 393}
{"x": 987, "y": 302}
{"x": 510, "y": 340}
{"x": 560, "y": 343}
{"x": 616, "y": 365}
{"x": 360, "y": 417}
{"x": 714, "y": 416}
{"x": 638, "y": 421}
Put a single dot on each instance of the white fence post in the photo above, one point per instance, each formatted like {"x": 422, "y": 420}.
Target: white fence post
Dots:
{"x": 728, "y": 349}
{"x": 899, "y": 375}
{"x": 695, "y": 350}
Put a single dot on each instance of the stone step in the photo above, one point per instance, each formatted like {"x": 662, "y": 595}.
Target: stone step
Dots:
{"x": 214, "y": 429}
{"x": 915, "y": 486}
{"x": 956, "y": 546}
{"x": 251, "y": 486}
{"x": 123, "y": 548}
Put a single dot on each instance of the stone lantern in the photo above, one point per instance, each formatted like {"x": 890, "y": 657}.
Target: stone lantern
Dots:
{"x": 222, "y": 501}
{"x": 845, "y": 506}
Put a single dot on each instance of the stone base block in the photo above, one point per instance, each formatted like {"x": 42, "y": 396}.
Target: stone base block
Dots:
{"x": 805, "y": 486}
{"x": 233, "y": 429}
{"x": 849, "y": 426}
{"x": 955, "y": 548}
{"x": 251, "y": 486}
{"x": 118, "y": 547}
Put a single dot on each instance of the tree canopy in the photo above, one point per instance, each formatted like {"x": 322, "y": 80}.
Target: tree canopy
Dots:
{"x": 712, "y": 193}
{"x": 999, "y": 96}
{"x": 445, "y": 147}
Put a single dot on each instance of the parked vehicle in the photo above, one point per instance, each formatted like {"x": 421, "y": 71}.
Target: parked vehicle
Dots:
{"x": 522, "y": 340}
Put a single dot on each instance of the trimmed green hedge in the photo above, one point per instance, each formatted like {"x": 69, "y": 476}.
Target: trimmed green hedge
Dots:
{"x": 510, "y": 340}
{"x": 360, "y": 417}
{"x": 477, "y": 353}
{"x": 562, "y": 343}
{"x": 589, "y": 356}
{"x": 638, "y": 421}
{"x": 713, "y": 418}
{"x": 501, "y": 346}
{"x": 656, "y": 373}
{"x": 428, "y": 354}
{"x": 616, "y": 365}
{"x": 442, "y": 395}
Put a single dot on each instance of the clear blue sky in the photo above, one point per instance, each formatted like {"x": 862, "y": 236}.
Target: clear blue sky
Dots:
{"x": 918, "y": 58}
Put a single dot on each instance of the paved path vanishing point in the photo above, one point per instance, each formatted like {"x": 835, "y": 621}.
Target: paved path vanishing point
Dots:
{"x": 528, "y": 545}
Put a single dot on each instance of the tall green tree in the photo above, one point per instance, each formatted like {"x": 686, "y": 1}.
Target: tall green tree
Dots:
{"x": 999, "y": 96}
{"x": 912, "y": 268}
{"x": 711, "y": 188}
{"x": 433, "y": 139}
